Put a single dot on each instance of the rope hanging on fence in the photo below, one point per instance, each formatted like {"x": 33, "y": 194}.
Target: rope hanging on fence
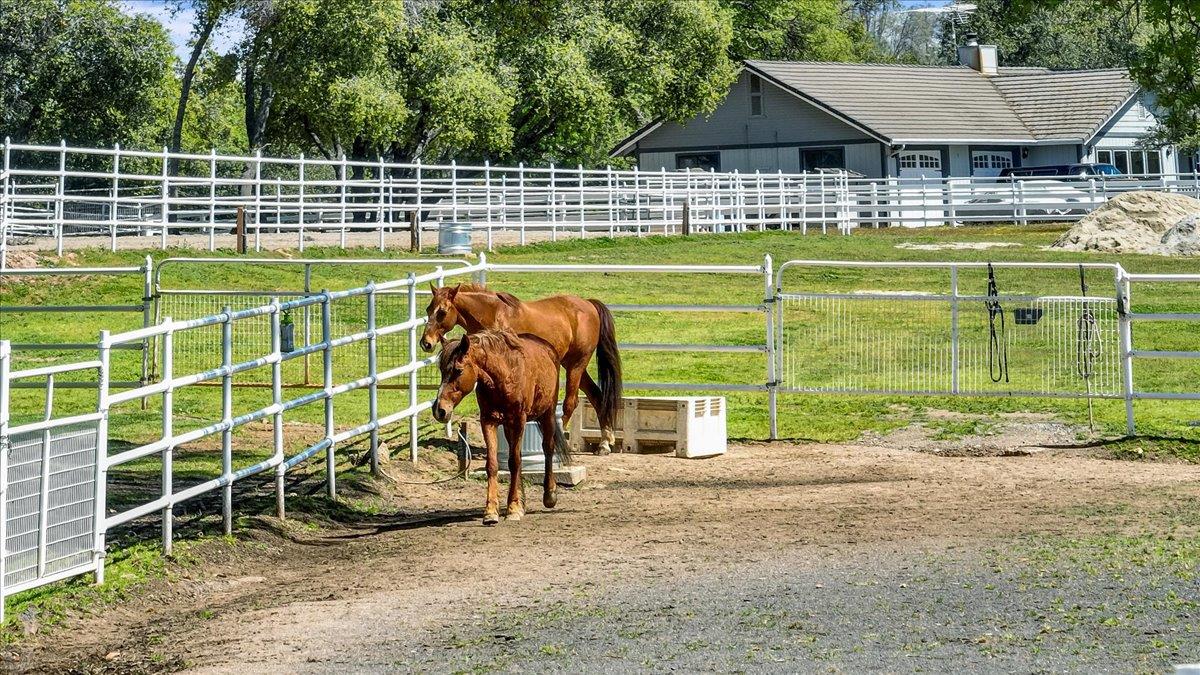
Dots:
{"x": 1087, "y": 344}
{"x": 997, "y": 344}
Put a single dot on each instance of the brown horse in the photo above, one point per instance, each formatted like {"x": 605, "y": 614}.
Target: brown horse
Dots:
{"x": 515, "y": 379}
{"x": 574, "y": 327}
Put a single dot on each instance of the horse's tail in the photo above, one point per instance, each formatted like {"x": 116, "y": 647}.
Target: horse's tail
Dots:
{"x": 608, "y": 364}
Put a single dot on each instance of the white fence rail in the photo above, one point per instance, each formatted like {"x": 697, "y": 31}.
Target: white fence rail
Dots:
{"x": 236, "y": 356}
{"x": 56, "y": 510}
{"x": 61, "y": 192}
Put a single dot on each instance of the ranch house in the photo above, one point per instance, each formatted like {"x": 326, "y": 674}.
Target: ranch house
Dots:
{"x": 883, "y": 120}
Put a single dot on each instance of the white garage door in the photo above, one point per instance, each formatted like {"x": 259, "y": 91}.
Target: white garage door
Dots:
{"x": 920, "y": 188}
{"x": 920, "y": 163}
{"x": 990, "y": 162}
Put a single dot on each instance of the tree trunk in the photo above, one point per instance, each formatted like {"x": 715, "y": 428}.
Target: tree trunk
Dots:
{"x": 185, "y": 89}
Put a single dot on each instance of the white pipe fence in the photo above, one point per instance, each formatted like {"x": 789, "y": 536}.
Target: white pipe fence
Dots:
{"x": 343, "y": 373}
{"x": 56, "y": 510}
{"x": 60, "y": 192}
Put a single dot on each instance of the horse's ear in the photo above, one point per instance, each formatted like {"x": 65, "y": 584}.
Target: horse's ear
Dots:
{"x": 453, "y": 291}
{"x": 433, "y": 289}
{"x": 460, "y": 350}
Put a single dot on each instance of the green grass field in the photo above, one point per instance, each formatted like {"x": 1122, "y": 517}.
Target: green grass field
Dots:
{"x": 824, "y": 417}
{"x": 1169, "y": 428}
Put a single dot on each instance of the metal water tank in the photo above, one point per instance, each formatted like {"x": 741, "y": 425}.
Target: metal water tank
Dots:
{"x": 454, "y": 238}
{"x": 533, "y": 460}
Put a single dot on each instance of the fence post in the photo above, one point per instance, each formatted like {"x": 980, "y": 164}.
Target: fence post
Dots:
{"x": 379, "y": 209}
{"x": 327, "y": 384}
{"x": 521, "y": 197}
{"x": 417, "y": 208}
{"x": 212, "y": 199}
{"x": 954, "y": 356}
{"x": 804, "y": 203}
{"x": 147, "y": 317}
{"x": 227, "y": 420}
{"x": 552, "y": 200}
{"x": 582, "y": 226}
{"x": 759, "y": 197}
{"x": 258, "y": 199}
{"x": 782, "y": 200}
{"x": 300, "y": 206}
{"x": 44, "y": 485}
{"x": 342, "y": 199}
{"x": 112, "y": 216}
{"x": 166, "y": 195}
{"x": 414, "y": 231}
{"x": 1124, "y": 300}
{"x": 239, "y": 230}
{"x": 637, "y": 201}
{"x": 454, "y": 190}
{"x": 1091, "y": 194}
{"x": 5, "y": 180}
{"x": 100, "y": 492}
{"x": 687, "y": 218}
{"x": 4, "y": 447}
{"x": 372, "y": 373}
{"x": 769, "y": 302}
{"x": 277, "y": 402}
{"x": 412, "y": 358}
{"x": 667, "y": 199}
{"x": 168, "y": 430}
{"x": 608, "y": 183}
{"x": 487, "y": 196}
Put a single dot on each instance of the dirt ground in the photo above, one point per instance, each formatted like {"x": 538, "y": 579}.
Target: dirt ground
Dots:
{"x": 774, "y": 557}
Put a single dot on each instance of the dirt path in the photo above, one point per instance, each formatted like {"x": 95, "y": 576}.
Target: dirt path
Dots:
{"x": 765, "y": 525}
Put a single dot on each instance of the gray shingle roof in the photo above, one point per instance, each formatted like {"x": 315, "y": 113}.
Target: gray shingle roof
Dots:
{"x": 956, "y": 103}
{"x": 1066, "y": 105}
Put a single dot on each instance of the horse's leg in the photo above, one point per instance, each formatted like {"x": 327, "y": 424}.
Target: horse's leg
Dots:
{"x": 491, "y": 510}
{"x": 549, "y": 436}
{"x": 575, "y": 373}
{"x": 608, "y": 438}
{"x": 516, "y": 491}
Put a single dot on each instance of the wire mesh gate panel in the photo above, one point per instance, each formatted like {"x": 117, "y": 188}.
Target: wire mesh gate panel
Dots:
{"x": 50, "y": 505}
{"x": 924, "y": 340}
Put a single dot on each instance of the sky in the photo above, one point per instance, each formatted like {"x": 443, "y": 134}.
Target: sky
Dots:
{"x": 179, "y": 24}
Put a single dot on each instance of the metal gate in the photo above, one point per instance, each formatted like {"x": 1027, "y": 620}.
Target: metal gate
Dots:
{"x": 915, "y": 328}
{"x": 48, "y": 478}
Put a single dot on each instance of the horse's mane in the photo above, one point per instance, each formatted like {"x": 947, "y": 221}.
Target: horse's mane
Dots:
{"x": 507, "y": 298}
{"x": 502, "y": 343}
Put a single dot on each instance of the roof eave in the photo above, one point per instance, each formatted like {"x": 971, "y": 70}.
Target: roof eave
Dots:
{"x": 632, "y": 140}
{"x": 1107, "y": 121}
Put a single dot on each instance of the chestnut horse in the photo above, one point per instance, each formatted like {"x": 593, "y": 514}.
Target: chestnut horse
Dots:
{"x": 574, "y": 327}
{"x": 515, "y": 379}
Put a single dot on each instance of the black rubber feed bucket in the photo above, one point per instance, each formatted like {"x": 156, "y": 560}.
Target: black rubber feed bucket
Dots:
{"x": 1027, "y": 316}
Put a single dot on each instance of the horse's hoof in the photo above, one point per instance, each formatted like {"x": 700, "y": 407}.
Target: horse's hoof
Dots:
{"x": 491, "y": 519}
{"x": 549, "y": 500}
{"x": 514, "y": 515}
{"x": 604, "y": 448}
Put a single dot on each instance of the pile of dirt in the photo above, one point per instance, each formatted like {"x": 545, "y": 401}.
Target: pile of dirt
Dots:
{"x": 1138, "y": 222}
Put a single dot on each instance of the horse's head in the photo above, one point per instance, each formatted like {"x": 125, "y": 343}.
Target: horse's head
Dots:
{"x": 459, "y": 374}
{"x": 441, "y": 315}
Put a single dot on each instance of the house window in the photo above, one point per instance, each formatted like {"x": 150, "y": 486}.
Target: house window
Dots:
{"x": 756, "y": 96}
{"x": 812, "y": 159}
{"x": 1131, "y": 160}
{"x": 698, "y": 161}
